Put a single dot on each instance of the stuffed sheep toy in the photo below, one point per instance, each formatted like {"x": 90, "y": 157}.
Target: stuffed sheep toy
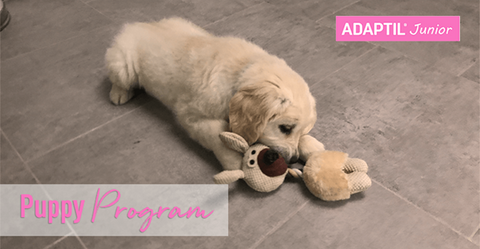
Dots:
{"x": 262, "y": 169}
{"x": 329, "y": 175}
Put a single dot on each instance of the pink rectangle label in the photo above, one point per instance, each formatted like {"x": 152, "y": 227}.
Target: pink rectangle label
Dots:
{"x": 398, "y": 28}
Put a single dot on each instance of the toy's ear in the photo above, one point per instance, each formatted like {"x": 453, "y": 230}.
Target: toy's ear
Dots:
{"x": 355, "y": 165}
{"x": 234, "y": 141}
{"x": 228, "y": 176}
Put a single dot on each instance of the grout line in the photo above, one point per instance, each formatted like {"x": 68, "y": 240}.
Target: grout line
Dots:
{"x": 57, "y": 241}
{"x": 423, "y": 210}
{"x": 101, "y": 13}
{"x": 27, "y": 167}
{"x": 10, "y": 143}
{"x": 25, "y": 164}
{"x": 72, "y": 231}
{"x": 80, "y": 240}
{"x": 225, "y": 17}
{"x": 474, "y": 232}
{"x": 278, "y": 225}
{"x": 333, "y": 13}
{"x": 463, "y": 71}
{"x": 85, "y": 133}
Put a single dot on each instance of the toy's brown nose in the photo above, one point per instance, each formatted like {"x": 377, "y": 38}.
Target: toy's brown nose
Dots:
{"x": 271, "y": 163}
{"x": 270, "y": 156}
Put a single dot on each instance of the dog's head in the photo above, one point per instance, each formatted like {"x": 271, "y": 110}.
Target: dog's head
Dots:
{"x": 275, "y": 109}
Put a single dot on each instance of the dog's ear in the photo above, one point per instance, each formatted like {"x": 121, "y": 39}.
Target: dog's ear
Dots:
{"x": 253, "y": 106}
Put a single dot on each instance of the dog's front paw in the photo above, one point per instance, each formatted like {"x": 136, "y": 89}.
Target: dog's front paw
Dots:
{"x": 120, "y": 96}
{"x": 307, "y": 145}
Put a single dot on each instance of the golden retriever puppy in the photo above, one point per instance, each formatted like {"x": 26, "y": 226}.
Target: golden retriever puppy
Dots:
{"x": 213, "y": 84}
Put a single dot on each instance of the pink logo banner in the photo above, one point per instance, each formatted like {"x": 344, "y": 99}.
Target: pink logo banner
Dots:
{"x": 398, "y": 28}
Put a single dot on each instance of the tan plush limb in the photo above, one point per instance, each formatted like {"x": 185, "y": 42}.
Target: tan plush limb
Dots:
{"x": 228, "y": 176}
{"x": 324, "y": 177}
{"x": 307, "y": 145}
{"x": 355, "y": 165}
{"x": 358, "y": 182}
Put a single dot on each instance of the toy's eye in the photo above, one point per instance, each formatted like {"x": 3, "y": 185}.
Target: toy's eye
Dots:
{"x": 252, "y": 162}
{"x": 253, "y": 152}
{"x": 286, "y": 129}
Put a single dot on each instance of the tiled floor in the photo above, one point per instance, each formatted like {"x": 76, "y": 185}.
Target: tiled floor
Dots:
{"x": 410, "y": 109}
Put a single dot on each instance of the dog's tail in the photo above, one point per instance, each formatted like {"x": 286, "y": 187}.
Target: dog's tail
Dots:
{"x": 121, "y": 68}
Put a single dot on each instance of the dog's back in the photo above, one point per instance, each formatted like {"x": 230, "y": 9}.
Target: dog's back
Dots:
{"x": 143, "y": 40}
{"x": 177, "y": 61}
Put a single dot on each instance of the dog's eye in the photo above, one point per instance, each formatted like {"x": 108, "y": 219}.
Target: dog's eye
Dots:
{"x": 286, "y": 129}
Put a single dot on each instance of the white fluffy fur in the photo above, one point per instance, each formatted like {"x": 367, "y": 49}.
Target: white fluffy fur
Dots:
{"x": 213, "y": 84}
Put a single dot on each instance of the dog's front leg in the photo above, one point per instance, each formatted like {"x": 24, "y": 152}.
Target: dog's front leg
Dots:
{"x": 206, "y": 132}
{"x": 307, "y": 145}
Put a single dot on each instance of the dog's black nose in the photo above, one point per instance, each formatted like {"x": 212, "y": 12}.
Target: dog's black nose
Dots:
{"x": 294, "y": 159}
{"x": 270, "y": 157}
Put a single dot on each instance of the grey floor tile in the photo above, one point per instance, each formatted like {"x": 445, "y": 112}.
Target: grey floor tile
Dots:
{"x": 62, "y": 93}
{"x": 416, "y": 127}
{"x": 201, "y": 12}
{"x": 379, "y": 220}
{"x": 452, "y": 57}
{"x": 308, "y": 48}
{"x": 38, "y": 24}
{"x": 145, "y": 146}
{"x": 473, "y": 72}
{"x": 12, "y": 169}
{"x": 312, "y": 9}
{"x": 457, "y": 60}
{"x": 34, "y": 242}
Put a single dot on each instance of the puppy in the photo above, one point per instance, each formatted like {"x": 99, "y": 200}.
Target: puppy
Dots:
{"x": 213, "y": 84}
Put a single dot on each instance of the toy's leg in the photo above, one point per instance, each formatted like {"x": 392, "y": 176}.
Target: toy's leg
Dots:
{"x": 358, "y": 182}
{"x": 206, "y": 132}
{"x": 307, "y": 145}
{"x": 355, "y": 165}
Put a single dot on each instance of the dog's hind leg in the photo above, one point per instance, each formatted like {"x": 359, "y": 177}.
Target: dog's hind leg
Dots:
{"x": 121, "y": 74}
{"x": 120, "y": 96}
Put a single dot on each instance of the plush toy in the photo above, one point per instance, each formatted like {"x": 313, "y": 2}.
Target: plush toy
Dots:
{"x": 333, "y": 176}
{"x": 329, "y": 175}
{"x": 262, "y": 169}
